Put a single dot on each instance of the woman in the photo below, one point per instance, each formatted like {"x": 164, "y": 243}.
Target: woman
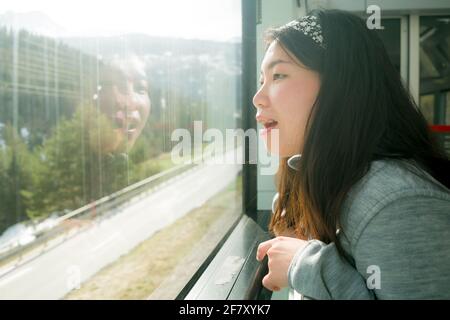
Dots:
{"x": 363, "y": 189}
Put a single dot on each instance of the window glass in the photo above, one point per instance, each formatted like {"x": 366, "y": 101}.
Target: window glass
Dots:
{"x": 95, "y": 98}
{"x": 435, "y": 68}
{"x": 390, "y": 36}
{"x": 435, "y": 73}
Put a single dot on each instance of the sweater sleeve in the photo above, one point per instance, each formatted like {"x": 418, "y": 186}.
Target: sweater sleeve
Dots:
{"x": 318, "y": 272}
{"x": 401, "y": 252}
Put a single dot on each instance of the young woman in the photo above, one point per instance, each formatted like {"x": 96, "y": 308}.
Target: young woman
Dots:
{"x": 363, "y": 210}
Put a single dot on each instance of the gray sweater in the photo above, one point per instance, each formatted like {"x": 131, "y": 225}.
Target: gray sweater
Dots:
{"x": 395, "y": 226}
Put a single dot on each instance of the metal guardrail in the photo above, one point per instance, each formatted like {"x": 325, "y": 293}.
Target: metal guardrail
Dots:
{"x": 60, "y": 233}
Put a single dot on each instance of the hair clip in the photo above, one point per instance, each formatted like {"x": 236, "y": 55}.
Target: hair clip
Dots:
{"x": 309, "y": 26}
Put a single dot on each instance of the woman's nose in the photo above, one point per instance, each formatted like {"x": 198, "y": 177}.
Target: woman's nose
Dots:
{"x": 259, "y": 99}
{"x": 133, "y": 101}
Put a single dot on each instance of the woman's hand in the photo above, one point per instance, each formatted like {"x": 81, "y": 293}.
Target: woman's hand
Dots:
{"x": 280, "y": 251}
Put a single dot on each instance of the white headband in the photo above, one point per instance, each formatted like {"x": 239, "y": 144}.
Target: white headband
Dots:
{"x": 309, "y": 26}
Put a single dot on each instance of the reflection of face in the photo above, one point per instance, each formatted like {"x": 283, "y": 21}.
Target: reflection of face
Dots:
{"x": 124, "y": 99}
{"x": 285, "y": 99}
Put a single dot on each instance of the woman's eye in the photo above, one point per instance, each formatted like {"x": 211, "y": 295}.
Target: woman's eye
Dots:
{"x": 277, "y": 76}
{"x": 141, "y": 88}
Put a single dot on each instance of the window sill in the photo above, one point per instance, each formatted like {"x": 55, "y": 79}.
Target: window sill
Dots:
{"x": 234, "y": 273}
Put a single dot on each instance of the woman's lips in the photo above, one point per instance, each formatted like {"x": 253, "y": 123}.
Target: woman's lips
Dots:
{"x": 127, "y": 123}
{"x": 268, "y": 126}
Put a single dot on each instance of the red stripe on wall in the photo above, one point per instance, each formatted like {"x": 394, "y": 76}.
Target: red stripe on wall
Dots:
{"x": 440, "y": 128}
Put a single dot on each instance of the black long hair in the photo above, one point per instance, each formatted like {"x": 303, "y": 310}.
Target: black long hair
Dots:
{"x": 363, "y": 112}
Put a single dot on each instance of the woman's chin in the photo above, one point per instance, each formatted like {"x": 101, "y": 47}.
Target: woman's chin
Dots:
{"x": 272, "y": 148}
{"x": 124, "y": 141}
{"x": 279, "y": 153}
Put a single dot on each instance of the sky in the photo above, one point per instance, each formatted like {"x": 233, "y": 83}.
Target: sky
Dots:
{"x": 201, "y": 19}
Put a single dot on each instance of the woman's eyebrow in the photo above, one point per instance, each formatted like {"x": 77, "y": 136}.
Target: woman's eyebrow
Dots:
{"x": 275, "y": 62}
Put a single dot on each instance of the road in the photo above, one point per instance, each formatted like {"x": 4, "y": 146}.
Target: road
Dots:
{"x": 53, "y": 274}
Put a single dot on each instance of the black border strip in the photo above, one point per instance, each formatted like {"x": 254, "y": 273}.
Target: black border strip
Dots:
{"x": 249, "y": 16}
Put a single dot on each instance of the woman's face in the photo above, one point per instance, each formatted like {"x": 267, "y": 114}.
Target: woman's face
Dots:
{"x": 125, "y": 100}
{"x": 284, "y": 101}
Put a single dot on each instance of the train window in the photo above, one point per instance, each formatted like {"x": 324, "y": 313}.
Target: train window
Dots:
{"x": 435, "y": 68}
{"x": 390, "y": 35}
{"x": 95, "y": 98}
{"x": 435, "y": 75}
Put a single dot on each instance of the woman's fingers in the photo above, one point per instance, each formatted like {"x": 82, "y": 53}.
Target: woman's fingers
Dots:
{"x": 267, "y": 282}
{"x": 263, "y": 248}
{"x": 280, "y": 252}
